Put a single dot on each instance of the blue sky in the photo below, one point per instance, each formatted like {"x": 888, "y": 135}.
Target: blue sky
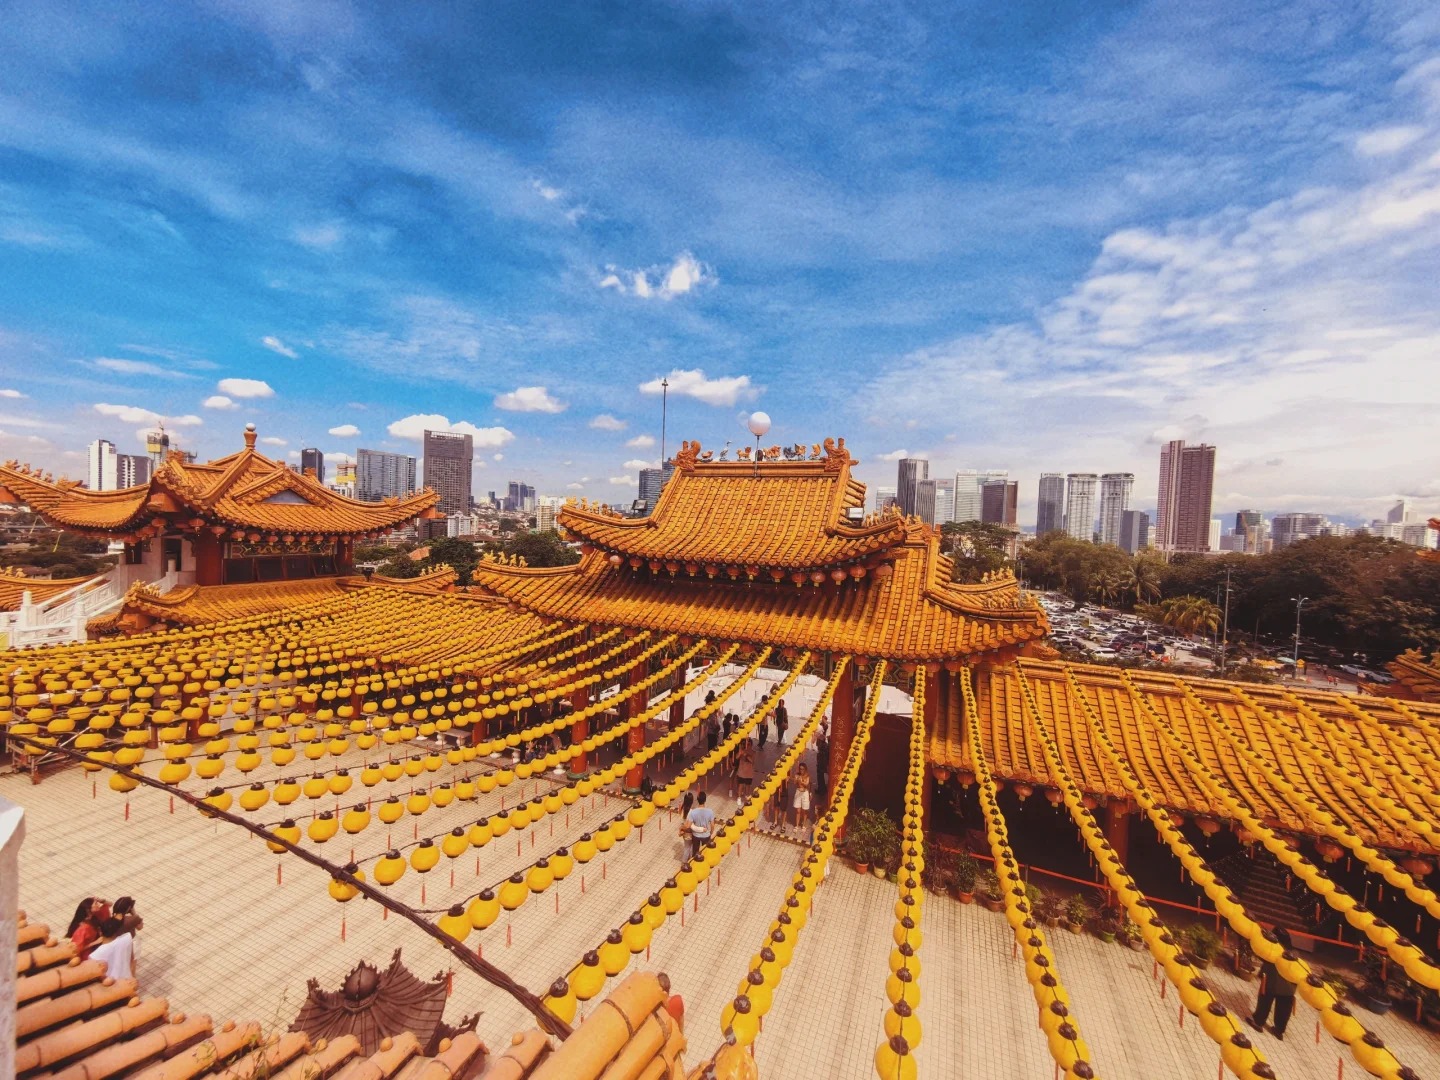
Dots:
{"x": 1040, "y": 238}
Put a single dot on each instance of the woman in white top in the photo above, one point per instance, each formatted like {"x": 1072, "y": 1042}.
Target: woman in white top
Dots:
{"x": 118, "y": 949}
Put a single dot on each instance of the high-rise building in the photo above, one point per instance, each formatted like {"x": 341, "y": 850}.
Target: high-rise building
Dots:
{"x": 108, "y": 470}
{"x": 1050, "y": 509}
{"x": 998, "y": 500}
{"x": 652, "y": 483}
{"x": 1250, "y": 527}
{"x": 884, "y": 499}
{"x": 1134, "y": 531}
{"x": 310, "y": 458}
{"x": 520, "y": 498}
{"x": 1213, "y": 540}
{"x": 449, "y": 460}
{"x": 1399, "y": 513}
{"x": 1080, "y": 505}
{"x": 911, "y": 472}
{"x": 344, "y": 482}
{"x": 968, "y": 483}
{"x": 379, "y": 475}
{"x": 1287, "y": 529}
{"x": 925, "y": 501}
{"x": 1114, "y": 501}
{"x": 1187, "y": 485}
{"x": 101, "y": 476}
{"x": 547, "y": 507}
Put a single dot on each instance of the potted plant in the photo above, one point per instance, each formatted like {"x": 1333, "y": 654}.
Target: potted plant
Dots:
{"x": 1077, "y": 913}
{"x": 1372, "y": 992}
{"x": 873, "y": 841}
{"x": 1107, "y": 924}
{"x": 1051, "y": 909}
{"x": 1033, "y": 895}
{"x": 938, "y": 873}
{"x": 990, "y": 894}
{"x": 1201, "y": 943}
{"x": 1130, "y": 935}
{"x": 967, "y": 870}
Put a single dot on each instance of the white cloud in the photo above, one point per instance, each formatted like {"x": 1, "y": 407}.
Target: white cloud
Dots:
{"x": 606, "y": 422}
{"x": 641, "y": 442}
{"x": 245, "y": 388}
{"x": 641, "y": 463}
{"x": 498, "y": 457}
{"x": 188, "y": 420}
{"x": 219, "y": 401}
{"x": 414, "y": 428}
{"x": 345, "y": 431}
{"x": 319, "y": 238}
{"x": 130, "y": 414}
{"x": 575, "y": 487}
{"x": 545, "y": 191}
{"x": 693, "y": 383}
{"x": 1388, "y": 140}
{"x": 338, "y": 457}
{"x": 529, "y": 399}
{"x": 894, "y": 455}
{"x": 623, "y": 481}
{"x": 275, "y": 345}
{"x": 122, "y": 366}
{"x": 684, "y": 275}
{"x": 274, "y": 440}
{"x": 294, "y": 454}
{"x": 7, "y": 392}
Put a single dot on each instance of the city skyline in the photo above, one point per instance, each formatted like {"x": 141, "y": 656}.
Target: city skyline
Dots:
{"x": 689, "y": 209}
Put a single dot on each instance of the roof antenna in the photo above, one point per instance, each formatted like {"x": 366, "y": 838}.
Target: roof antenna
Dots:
{"x": 664, "y": 415}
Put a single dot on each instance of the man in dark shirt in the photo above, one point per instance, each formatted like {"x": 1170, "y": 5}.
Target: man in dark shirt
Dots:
{"x": 782, "y": 721}
{"x": 822, "y": 763}
{"x": 1275, "y": 990}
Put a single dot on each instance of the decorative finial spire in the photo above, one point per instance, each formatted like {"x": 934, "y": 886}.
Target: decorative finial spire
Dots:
{"x": 249, "y": 436}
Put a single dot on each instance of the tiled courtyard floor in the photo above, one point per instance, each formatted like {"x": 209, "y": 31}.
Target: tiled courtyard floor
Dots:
{"x": 223, "y": 937}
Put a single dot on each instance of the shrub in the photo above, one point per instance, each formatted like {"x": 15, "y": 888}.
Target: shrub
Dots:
{"x": 873, "y": 839}
{"x": 967, "y": 870}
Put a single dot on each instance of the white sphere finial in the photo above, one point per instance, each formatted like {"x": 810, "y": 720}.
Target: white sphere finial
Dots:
{"x": 249, "y": 427}
{"x": 759, "y": 423}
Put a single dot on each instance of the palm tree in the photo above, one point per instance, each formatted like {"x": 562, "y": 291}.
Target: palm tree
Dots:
{"x": 1108, "y": 587}
{"x": 1192, "y": 614}
{"x": 1143, "y": 579}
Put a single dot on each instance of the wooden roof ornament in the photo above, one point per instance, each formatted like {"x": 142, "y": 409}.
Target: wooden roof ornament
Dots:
{"x": 374, "y": 1005}
{"x": 769, "y": 552}
{"x": 244, "y": 494}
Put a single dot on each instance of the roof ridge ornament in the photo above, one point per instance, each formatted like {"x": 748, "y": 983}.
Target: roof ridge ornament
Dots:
{"x": 250, "y": 436}
{"x": 836, "y": 456}
{"x": 685, "y": 457}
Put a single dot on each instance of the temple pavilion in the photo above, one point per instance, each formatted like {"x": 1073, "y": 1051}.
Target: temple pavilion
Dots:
{"x": 351, "y": 711}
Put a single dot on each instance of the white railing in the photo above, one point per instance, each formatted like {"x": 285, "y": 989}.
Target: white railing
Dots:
{"x": 61, "y": 618}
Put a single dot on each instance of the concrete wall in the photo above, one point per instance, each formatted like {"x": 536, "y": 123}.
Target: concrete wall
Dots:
{"x": 12, "y": 834}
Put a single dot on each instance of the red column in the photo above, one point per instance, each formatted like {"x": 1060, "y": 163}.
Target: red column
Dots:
{"x": 635, "y": 738}
{"x": 842, "y": 723}
{"x": 677, "y": 711}
{"x": 579, "y": 732}
{"x": 937, "y": 689}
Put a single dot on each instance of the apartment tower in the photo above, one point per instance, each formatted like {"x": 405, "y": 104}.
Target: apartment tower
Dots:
{"x": 1187, "y": 486}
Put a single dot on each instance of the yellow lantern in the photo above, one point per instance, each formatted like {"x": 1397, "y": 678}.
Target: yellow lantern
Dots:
{"x": 426, "y": 856}
{"x": 513, "y": 892}
{"x": 561, "y": 1001}
{"x": 480, "y": 833}
{"x": 390, "y": 868}
{"x": 455, "y": 844}
{"x": 355, "y": 819}
{"x": 455, "y": 923}
{"x": 614, "y": 956}
{"x": 322, "y": 828}
{"x": 315, "y": 787}
{"x": 288, "y": 831}
{"x": 636, "y": 933}
{"x": 589, "y": 978}
{"x": 484, "y": 910}
{"x": 390, "y": 811}
{"x": 343, "y": 890}
{"x": 540, "y": 876}
{"x": 254, "y": 797}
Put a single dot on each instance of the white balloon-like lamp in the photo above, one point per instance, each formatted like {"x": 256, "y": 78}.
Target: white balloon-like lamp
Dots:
{"x": 759, "y": 423}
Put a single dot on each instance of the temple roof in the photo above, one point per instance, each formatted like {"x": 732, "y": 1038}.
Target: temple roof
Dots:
{"x": 13, "y": 587}
{"x": 192, "y": 605}
{"x": 914, "y": 612}
{"x": 790, "y": 514}
{"x": 244, "y": 490}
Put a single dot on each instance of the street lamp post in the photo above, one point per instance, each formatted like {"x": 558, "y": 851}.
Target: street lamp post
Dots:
{"x": 1225, "y": 631}
{"x": 1299, "y": 603}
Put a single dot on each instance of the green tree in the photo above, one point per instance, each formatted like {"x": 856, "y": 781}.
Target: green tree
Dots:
{"x": 541, "y": 549}
{"x": 976, "y": 548}
{"x": 460, "y": 555}
{"x": 401, "y": 567}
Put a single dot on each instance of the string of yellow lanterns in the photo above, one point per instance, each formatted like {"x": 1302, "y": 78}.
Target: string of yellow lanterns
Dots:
{"x": 740, "y": 1020}
{"x": 536, "y": 809}
{"x": 1397, "y": 739}
{"x": 894, "y": 1057}
{"x": 1379, "y": 932}
{"x": 1335, "y": 1016}
{"x": 482, "y": 909}
{"x": 1236, "y": 1048}
{"x": 1419, "y": 801}
{"x": 587, "y": 978}
{"x": 1062, "y": 1032}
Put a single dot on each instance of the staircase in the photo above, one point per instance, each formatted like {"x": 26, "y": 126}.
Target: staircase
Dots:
{"x": 62, "y": 618}
{"x": 1259, "y": 884}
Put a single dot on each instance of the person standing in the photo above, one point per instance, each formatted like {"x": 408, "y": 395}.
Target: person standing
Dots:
{"x": 712, "y": 733}
{"x": 762, "y": 730}
{"x": 745, "y": 770}
{"x": 701, "y": 821}
{"x": 1275, "y": 990}
{"x": 802, "y": 795}
{"x": 822, "y": 760}
{"x": 782, "y": 721}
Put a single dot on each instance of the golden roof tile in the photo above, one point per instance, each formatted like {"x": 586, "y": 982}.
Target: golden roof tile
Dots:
{"x": 14, "y": 585}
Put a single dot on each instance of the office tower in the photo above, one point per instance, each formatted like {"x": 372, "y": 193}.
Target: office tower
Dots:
{"x": 101, "y": 476}
{"x": 652, "y": 483}
{"x": 925, "y": 501}
{"x": 1213, "y": 540}
{"x": 519, "y": 498}
{"x": 998, "y": 499}
{"x": 1187, "y": 485}
{"x": 449, "y": 459}
{"x": 911, "y": 472}
{"x": 379, "y": 475}
{"x": 344, "y": 482}
{"x": 1399, "y": 513}
{"x": 884, "y": 499}
{"x": 310, "y": 458}
{"x": 1250, "y": 525}
{"x": 1050, "y": 509}
{"x": 1287, "y": 529}
{"x": 1134, "y": 531}
{"x": 131, "y": 470}
{"x": 1080, "y": 505}
{"x": 944, "y": 501}
{"x": 1114, "y": 501}
{"x": 967, "y": 491}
